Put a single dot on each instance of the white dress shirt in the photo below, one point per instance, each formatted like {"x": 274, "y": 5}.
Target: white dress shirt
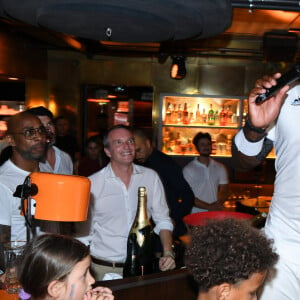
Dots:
{"x": 205, "y": 180}
{"x": 63, "y": 163}
{"x": 113, "y": 208}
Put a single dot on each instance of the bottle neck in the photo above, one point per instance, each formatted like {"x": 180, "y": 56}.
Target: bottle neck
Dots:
{"x": 141, "y": 214}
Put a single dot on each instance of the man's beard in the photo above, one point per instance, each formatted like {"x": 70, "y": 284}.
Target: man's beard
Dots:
{"x": 28, "y": 155}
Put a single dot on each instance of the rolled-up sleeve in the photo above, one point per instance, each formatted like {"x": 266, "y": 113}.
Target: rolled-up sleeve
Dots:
{"x": 246, "y": 147}
{"x": 159, "y": 208}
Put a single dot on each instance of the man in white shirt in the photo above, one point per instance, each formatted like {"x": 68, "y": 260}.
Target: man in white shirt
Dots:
{"x": 207, "y": 177}
{"x": 56, "y": 161}
{"x": 277, "y": 121}
{"x": 27, "y": 136}
{"x": 114, "y": 192}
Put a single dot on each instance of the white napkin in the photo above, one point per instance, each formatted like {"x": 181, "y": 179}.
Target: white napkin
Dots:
{"x": 111, "y": 276}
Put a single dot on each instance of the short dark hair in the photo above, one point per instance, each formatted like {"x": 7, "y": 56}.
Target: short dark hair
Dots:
{"x": 46, "y": 258}
{"x": 41, "y": 111}
{"x": 106, "y": 134}
{"x": 227, "y": 251}
{"x": 199, "y": 136}
{"x": 142, "y": 134}
{"x": 97, "y": 138}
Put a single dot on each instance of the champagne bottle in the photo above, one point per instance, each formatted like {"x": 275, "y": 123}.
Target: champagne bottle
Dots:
{"x": 140, "y": 254}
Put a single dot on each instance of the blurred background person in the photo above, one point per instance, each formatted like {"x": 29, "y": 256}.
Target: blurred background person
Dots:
{"x": 64, "y": 139}
{"x": 56, "y": 160}
{"x": 95, "y": 158}
{"x": 179, "y": 195}
{"x": 207, "y": 177}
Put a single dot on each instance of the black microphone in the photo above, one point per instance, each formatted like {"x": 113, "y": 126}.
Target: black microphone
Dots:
{"x": 24, "y": 190}
{"x": 287, "y": 78}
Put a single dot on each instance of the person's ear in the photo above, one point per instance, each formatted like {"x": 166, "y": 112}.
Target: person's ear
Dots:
{"x": 56, "y": 288}
{"x": 10, "y": 140}
{"x": 223, "y": 291}
{"x": 148, "y": 143}
{"x": 107, "y": 152}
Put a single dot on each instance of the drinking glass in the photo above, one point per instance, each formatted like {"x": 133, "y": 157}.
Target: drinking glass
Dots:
{"x": 12, "y": 257}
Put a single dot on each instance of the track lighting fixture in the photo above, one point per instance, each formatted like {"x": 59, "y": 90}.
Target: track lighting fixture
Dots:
{"x": 178, "y": 70}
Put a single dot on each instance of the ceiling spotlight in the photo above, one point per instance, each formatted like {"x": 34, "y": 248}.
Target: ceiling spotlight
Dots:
{"x": 178, "y": 70}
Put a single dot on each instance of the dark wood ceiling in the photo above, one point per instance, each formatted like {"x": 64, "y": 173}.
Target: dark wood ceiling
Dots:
{"x": 244, "y": 38}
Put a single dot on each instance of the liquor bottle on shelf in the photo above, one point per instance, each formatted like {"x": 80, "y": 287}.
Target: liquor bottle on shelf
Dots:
{"x": 229, "y": 114}
{"x": 190, "y": 148}
{"x": 234, "y": 119}
{"x": 223, "y": 117}
{"x": 198, "y": 114}
{"x": 179, "y": 114}
{"x": 213, "y": 146}
{"x": 174, "y": 115}
{"x": 180, "y": 143}
{"x": 217, "y": 118}
{"x": 185, "y": 114}
{"x": 211, "y": 116}
{"x": 168, "y": 114}
{"x": 140, "y": 252}
{"x": 191, "y": 117}
{"x": 204, "y": 117}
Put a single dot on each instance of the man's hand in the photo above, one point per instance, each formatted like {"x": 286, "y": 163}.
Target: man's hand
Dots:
{"x": 263, "y": 114}
{"x": 215, "y": 206}
{"x": 167, "y": 262}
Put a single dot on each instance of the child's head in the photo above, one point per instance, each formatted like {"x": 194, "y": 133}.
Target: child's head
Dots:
{"x": 229, "y": 258}
{"x": 56, "y": 265}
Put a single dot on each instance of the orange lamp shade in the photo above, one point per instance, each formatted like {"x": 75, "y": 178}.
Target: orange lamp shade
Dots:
{"x": 61, "y": 197}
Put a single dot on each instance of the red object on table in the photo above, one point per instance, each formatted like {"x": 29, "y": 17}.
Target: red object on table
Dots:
{"x": 5, "y": 296}
{"x": 200, "y": 218}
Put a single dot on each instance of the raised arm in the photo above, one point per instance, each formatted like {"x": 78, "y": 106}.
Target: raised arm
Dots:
{"x": 260, "y": 117}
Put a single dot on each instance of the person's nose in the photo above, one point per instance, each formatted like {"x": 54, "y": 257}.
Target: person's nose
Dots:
{"x": 91, "y": 279}
{"x": 40, "y": 136}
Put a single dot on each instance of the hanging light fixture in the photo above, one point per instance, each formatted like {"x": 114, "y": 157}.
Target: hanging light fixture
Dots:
{"x": 178, "y": 70}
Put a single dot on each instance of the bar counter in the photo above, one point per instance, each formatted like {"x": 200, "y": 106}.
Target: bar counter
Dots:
{"x": 168, "y": 285}
{"x": 6, "y": 296}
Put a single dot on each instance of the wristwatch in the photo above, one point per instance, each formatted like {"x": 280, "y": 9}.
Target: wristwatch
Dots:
{"x": 253, "y": 128}
{"x": 169, "y": 253}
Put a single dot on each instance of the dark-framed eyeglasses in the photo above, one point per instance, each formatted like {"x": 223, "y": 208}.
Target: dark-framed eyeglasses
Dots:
{"x": 31, "y": 133}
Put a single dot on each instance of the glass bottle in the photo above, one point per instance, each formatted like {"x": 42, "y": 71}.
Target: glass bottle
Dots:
{"x": 140, "y": 254}
{"x": 211, "y": 116}
{"x": 204, "y": 117}
{"x": 174, "y": 114}
{"x": 217, "y": 118}
{"x": 179, "y": 114}
{"x": 185, "y": 114}
{"x": 223, "y": 117}
{"x": 198, "y": 114}
{"x": 168, "y": 114}
{"x": 229, "y": 114}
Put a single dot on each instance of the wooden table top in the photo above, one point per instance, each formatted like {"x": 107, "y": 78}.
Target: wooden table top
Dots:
{"x": 5, "y": 296}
